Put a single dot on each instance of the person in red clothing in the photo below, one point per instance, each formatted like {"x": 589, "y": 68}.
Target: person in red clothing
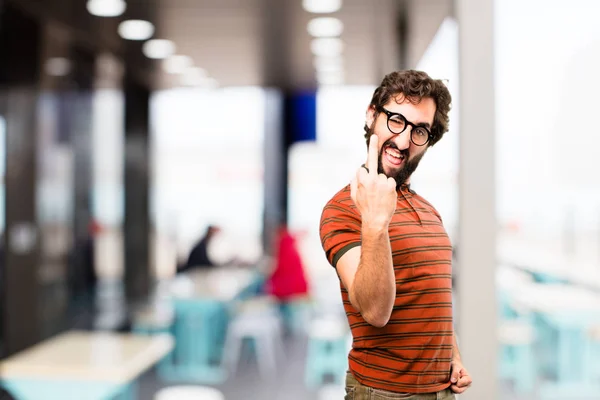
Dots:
{"x": 287, "y": 280}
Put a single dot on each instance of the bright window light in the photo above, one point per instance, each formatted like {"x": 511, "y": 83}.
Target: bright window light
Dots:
{"x": 327, "y": 47}
{"x": 158, "y": 48}
{"x": 177, "y": 64}
{"x": 322, "y": 6}
{"x": 106, "y": 8}
{"x": 325, "y": 27}
{"x": 136, "y": 29}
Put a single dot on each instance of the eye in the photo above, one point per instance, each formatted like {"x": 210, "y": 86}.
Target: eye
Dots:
{"x": 421, "y": 132}
{"x": 396, "y": 120}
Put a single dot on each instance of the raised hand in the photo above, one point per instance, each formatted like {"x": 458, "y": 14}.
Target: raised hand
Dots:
{"x": 374, "y": 194}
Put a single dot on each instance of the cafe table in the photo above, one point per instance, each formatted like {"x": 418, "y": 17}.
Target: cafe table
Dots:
{"x": 82, "y": 365}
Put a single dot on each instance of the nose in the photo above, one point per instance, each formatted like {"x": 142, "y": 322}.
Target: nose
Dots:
{"x": 402, "y": 140}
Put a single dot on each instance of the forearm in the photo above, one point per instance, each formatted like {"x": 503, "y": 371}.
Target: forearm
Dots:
{"x": 374, "y": 287}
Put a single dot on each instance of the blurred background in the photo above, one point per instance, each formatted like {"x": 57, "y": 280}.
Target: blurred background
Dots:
{"x": 164, "y": 167}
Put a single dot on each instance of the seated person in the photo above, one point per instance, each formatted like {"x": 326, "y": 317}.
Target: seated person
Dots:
{"x": 199, "y": 256}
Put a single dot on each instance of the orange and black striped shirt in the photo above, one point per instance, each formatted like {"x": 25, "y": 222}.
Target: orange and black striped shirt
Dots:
{"x": 412, "y": 353}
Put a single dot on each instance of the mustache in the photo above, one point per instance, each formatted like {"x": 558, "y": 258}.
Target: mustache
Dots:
{"x": 389, "y": 143}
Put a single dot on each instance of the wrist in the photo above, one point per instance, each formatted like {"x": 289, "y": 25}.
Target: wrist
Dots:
{"x": 374, "y": 226}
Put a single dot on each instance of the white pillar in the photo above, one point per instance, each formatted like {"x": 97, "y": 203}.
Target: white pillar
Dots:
{"x": 476, "y": 327}
{"x": 424, "y": 20}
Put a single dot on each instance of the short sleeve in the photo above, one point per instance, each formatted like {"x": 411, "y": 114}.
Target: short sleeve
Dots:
{"x": 339, "y": 230}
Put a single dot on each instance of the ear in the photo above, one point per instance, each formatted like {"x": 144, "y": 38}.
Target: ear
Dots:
{"x": 370, "y": 116}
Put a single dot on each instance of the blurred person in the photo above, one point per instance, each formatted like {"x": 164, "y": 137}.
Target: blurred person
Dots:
{"x": 83, "y": 275}
{"x": 283, "y": 277}
{"x": 199, "y": 256}
{"x": 89, "y": 249}
{"x": 287, "y": 279}
{"x": 392, "y": 253}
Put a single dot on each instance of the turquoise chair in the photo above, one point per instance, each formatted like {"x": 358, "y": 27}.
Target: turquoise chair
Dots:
{"x": 541, "y": 277}
{"x": 517, "y": 337}
{"x": 329, "y": 342}
{"x": 198, "y": 330}
{"x": 594, "y": 355}
{"x": 517, "y": 359}
{"x": 154, "y": 321}
{"x": 295, "y": 314}
{"x": 326, "y": 357}
{"x": 574, "y": 358}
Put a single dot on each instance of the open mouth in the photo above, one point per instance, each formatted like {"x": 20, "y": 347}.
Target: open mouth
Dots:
{"x": 393, "y": 156}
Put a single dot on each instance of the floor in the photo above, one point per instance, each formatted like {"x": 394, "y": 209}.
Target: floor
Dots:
{"x": 287, "y": 385}
{"x": 247, "y": 382}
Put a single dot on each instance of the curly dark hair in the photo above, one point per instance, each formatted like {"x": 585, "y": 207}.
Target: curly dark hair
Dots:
{"x": 414, "y": 86}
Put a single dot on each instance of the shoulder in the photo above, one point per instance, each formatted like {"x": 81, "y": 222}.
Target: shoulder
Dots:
{"x": 427, "y": 205}
{"x": 340, "y": 203}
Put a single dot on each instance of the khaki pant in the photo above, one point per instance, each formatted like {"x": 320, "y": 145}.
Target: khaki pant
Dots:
{"x": 357, "y": 391}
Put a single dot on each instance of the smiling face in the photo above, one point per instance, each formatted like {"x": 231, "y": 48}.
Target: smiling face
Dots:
{"x": 398, "y": 155}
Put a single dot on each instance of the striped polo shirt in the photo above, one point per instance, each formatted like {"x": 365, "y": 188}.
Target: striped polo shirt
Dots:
{"x": 412, "y": 353}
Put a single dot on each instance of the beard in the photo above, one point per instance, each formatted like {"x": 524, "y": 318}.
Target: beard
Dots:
{"x": 408, "y": 167}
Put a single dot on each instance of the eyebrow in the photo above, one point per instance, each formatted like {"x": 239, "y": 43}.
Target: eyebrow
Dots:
{"x": 423, "y": 124}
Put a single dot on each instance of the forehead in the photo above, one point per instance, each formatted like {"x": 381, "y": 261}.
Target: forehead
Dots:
{"x": 416, "y": 112}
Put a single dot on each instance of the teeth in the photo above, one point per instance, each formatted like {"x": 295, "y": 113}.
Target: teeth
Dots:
{"x": 393, "y": 153}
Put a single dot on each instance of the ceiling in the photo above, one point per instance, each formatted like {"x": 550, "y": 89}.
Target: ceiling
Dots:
{"x": 265, "y": 42}
{"x": 238, "y": 42}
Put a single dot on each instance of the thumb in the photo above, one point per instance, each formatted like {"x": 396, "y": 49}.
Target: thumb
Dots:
{"x": 455, "y": 374}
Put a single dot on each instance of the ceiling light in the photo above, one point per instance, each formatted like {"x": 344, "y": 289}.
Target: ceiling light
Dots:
{"x": 324, "y": 47}
{"x": 325, "y": 27}
{"x": 198, "y": 77}
{"x": 211, "y": 83}
{"x": 177, "y": 64}
{"x": 193, "y": 77}
{"x": 321, "y": 6}
{"x": 158, "y": 48}
{"x": 330, "y": 76}
{"x": 331, "y": 80}
{"x": 106, "y": 8}
{"x": 205, "y": 83}
{"x": 136, "y": 29}
{"x": 58, "y": 66}
{"x": 328, "y": 63}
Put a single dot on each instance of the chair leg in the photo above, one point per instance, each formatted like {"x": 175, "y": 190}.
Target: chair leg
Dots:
{"x": 266, "y": 356}
{"x": 526, "y": 374}
{"x": 129, "y": 393}
{"x": 231, "y": 351}
{"x": 312, "y": 373}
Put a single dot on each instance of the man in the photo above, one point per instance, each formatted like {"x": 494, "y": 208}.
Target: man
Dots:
{"x": 393, "y": 255}
{"x": 199, "y": 255}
